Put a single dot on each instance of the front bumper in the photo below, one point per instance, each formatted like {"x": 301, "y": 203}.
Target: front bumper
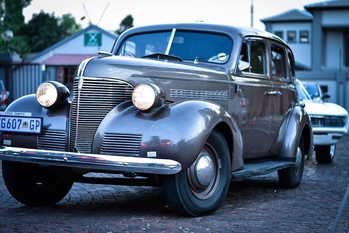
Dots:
{"x": 91, "y": 161}
{"x": 326, "y": 138}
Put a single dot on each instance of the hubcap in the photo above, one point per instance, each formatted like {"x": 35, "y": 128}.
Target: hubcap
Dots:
{"x": 298, "y": 160}
{"x": 204, "y": 173}
{"x": 204, "y": 169}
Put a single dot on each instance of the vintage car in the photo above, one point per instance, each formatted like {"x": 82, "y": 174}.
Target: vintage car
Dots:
{"x": 185, "y": 106}
{"x": 330, "y": 122}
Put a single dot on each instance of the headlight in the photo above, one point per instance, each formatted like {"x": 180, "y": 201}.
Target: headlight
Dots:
{"x": 52, "y": 93}
{"x": 147, "y": 96}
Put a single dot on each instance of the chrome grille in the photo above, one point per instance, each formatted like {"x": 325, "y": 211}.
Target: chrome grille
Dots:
{"x": 327, "y": 121}
{"x": 121, "y": 144}
{"x": 92, "y": 101}
{"x": 52, "y": 140}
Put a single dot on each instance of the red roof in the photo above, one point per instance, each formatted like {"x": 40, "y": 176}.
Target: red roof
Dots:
{"x": 67, "y": 59}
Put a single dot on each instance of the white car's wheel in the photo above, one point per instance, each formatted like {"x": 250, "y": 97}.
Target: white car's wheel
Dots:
{"x": 325, "y": 154}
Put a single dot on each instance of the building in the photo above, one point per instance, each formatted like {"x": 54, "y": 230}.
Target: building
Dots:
{"x": 319, "y": 37}
{"x": 57, "y": 62}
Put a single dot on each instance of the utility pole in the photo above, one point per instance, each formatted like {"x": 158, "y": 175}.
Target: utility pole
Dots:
{"x": 251, "y": 13}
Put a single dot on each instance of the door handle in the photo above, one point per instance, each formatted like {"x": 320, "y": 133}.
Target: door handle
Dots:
{"x": 275, "y": 93}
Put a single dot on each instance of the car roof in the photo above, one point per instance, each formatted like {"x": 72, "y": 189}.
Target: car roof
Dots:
{"x": 219, "y": 28}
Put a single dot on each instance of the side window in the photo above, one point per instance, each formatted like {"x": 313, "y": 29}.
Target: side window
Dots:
{"x": 252, "y": 57}
{"x": 291, "y": 66}
{"x": 278, "y": 62}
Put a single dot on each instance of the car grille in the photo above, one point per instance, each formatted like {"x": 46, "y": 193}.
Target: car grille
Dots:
{"x": 52, "y": 140}
{"x": 121, "y": 144}
{"x": 93, "y": 99}
{"x": 328, "y": 121}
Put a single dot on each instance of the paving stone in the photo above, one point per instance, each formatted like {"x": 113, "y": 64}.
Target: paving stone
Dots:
{"x": 256, "y": 204}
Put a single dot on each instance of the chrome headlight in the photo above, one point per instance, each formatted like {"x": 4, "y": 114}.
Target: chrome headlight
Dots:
{"x": 147, "y": 96}
{"x": 52, "y": 93}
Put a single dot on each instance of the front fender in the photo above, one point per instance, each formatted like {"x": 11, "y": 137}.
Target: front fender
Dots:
{"x": 177, "y": 131}
{"x": 299, "y": 126}
{"x": 53, "y": 119}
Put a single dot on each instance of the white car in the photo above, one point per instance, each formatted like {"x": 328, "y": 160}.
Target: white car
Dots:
{"x": 329, "y": 121}
{"x": 315, "y": 92}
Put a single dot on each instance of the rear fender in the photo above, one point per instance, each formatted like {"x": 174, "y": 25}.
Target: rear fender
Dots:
{"x": 299, "y": 125}
{"x": 176, "y": 131}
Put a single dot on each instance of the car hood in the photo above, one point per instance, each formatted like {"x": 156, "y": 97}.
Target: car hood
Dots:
{"x": 129, "y": 68}
{"x": 328, "y": 109}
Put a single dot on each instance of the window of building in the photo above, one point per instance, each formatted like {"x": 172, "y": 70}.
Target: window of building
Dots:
{"x": 291, "y": 36}
{"x": 346, "y": 48}
{"x": 304, "y": 36}
{"x": 279, "y": 34}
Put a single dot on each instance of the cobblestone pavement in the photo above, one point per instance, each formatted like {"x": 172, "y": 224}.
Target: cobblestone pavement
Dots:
{"x": 252, "y": 205}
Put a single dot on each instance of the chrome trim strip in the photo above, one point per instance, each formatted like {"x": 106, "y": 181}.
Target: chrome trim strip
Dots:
{"x": 91, "y": 161}
{"x": 170, "y": 41}
{"x": 213, "y": 95}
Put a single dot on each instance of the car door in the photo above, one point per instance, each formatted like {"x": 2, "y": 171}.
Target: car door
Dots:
{"x": 251, "y": 106}
{"x": 284, "y": 94}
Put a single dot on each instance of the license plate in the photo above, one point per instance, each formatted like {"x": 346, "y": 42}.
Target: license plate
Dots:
{"x": 15, "y": 124}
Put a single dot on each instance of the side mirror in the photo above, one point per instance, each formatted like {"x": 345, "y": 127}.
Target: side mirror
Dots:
{"x": 326, "y": 96}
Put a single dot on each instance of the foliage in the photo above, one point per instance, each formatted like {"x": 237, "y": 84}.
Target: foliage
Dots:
{"x": 44, "y": 30}
{"x": 11, "y": 18}
{"x": 11, "y": 14}
{"x": 125, "y": 24}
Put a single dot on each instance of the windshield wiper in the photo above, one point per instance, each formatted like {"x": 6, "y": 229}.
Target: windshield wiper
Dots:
{"x": 163, "y": 56}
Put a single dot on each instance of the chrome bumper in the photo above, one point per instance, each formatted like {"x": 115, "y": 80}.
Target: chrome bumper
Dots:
{"x": 91, "y": 161}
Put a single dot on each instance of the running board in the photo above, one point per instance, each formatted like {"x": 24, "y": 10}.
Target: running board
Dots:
{"x": 256, "y": 169}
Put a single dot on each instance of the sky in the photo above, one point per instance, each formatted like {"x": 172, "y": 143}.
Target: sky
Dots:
{"x": 108, "y": 14}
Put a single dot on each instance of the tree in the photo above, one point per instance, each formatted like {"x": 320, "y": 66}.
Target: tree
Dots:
{"x": 11, "y": 14}
{"x": 44, "y": 30}
{"x": 68, "y": 26}
{"x": 11, "y": 18}
{"x": 125, "y": 24}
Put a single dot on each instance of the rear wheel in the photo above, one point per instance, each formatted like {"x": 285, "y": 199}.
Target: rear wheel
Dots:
{"x": 291, "y": 177}
{"x": 35, "y": 185}
{"x": 325, "y": 154}
{"x": 202, "y": 188}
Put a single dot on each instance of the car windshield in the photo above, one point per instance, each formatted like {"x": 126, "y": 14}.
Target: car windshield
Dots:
{"x": 312, "y": 90}
{"x": 302, "y": 92}
{"x": 186, "y": 45}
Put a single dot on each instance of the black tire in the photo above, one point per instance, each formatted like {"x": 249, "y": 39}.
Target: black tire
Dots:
{"x": 35, "y": 185}
{"x": 325, "y": 154}
{"x": 197, "y": 193}
{"x": 291, "y": 177}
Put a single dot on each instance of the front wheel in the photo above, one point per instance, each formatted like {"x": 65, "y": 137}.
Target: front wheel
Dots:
{"x": 201, "y": 189}
{"x": 325, "y": 154}
{"x": 36, "y": 185}
{"x": 291, "y": 177}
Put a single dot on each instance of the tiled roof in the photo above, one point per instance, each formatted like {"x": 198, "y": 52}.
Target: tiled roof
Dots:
{"x": 290, "y": 16}
{"x": 328, "y": 4}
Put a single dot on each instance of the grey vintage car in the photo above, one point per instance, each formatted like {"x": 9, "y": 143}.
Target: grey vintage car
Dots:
{"x": 185, "y": 106}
